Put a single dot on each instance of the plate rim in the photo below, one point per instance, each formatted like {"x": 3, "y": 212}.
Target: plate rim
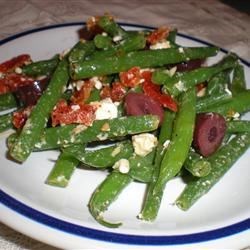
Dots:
{"x": 96, "y": 234}
{"x": 131, "y": 239}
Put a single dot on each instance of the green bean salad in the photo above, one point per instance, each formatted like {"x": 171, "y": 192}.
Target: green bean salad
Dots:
{"x": 135, "y": 104}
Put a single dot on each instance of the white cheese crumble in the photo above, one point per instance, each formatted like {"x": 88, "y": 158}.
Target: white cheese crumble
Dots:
{"x": 236, "y": 116}
{"x": 160, "y": 45}
{"x": 172, "y": 71}
{"x": 116, "y": 151}
{"x": 18, "y": 70}
{"x": 117, "y": 38}
{"x": 181, "y": 50}
{"x": 97, "y": 83}
{"x": 180, "y": 86}
{"x": 166, "y": 143}
{"x": 106, "y": 109}
{"x": 78, "y": 129}
{"x": 75, "y": 107}
{"x": 79, "y": 84}
{"x": 201, "y": 92}
{"x": 122, "y": 165}
{"x": 144, "y": 143}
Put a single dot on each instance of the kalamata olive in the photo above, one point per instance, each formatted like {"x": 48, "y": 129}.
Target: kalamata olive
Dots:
{"x": 89, "y": 34}
{"x": 28, "y": 95}
{"x": 209, "y": 132}
{"x": 141, "y": 104}
{"x": 190, "y": 65}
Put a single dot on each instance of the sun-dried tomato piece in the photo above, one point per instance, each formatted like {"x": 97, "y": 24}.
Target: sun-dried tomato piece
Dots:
{"x": 65, "y": 113}
{"x": 158, "y": 35}
{"x": 105, "y": 92}
{"x": 82, "y": 95}
{"x": 20, "y": 117}
{"x": 154, "y": 91}
{"x": 116, "y": 92}
{"x": 11, "y": 64}
{"x": 12, "y": 81}
{"x": 131, "y": 78}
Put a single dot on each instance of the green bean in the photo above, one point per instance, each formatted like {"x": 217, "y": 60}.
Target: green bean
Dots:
{"x": 131, "y": 43}
{"x": 41, "y": 68}
{"x": 77, "y": 134}
{"x": 172, "y": 38}
{"x": 141, "y": 167}
{"x": 103, "y": 157}
{"x": 152, "y": 202}
{"x": 143, "y": 59}
{"x": 94, "y": 96}
{"x": 103, "y": 42}
{"x": 217, "y": 91}
{"x": 197, "y": 165}
{"x": 181, "y": 140}
{"x": 218, "y": 83}
{"x": 62, "y": 171}
{"x": 81, "y": 50}
{"x": 239, "y": 103}
{"x": 105, "y": 194}
{"x": 238, "y": 126}
{"x": 182, "y": 81}
{"x": 5, "y": 122}
{"x": 221, "y": 162}
{"x": 239, "y": 81}
{"x": 38, "y": 118}
{"x": 212, "y": 100}
{"x": 7, "y": 101}
{"x": 111, "y": 27}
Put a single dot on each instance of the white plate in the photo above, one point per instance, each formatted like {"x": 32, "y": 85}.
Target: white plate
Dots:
{"x": 60, "y": 217}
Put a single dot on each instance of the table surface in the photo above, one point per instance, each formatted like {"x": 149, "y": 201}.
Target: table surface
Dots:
{"x": 209, "y": 20}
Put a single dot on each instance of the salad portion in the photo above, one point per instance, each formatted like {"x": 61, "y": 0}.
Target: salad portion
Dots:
{"x": 135, "y": 104}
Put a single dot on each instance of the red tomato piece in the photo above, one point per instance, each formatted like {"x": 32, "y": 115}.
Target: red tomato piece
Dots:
{"x": 116, "y": 92}
{"x": 82, "y": 95}
{"x": 158, "y": 35}
{"x": 11, "y": 64}
{"x": 20, "y": 117}
{"x": 12, "y": 81}
{"x": 154, "y": 91}
{"x": 131, "y": 78}
{"x": 73, "y": 113}
{"x": 105, "y": 92}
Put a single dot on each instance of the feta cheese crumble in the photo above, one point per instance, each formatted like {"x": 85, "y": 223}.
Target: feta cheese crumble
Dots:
{"x": 160, "y": 45}
{"x": 97, "y": 83}
{"x": 117, "y": 38}
{"x": 144, "y": 143}
{"x": 106, "y": 109}
{"x": 122, "y": 165}
{"x": 181, "y": 50}
{"x": 18, "y": 70}
{"x": 180, "y": 86}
